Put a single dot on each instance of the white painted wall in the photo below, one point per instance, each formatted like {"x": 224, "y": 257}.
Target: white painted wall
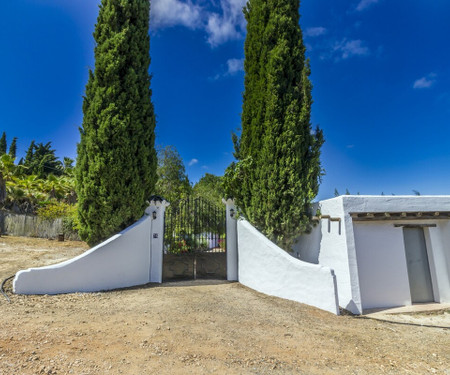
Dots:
{"x": 232, "y": 245}
{"x": 438, "y": 246}
{"x": 353, "y": 254}
{"x": 336, "y": 239}
{"x": 132, "y": 257}
{"x": 265, "y": 267}
{"x": 383, "y": 274}
{"x": 307, "y": 247}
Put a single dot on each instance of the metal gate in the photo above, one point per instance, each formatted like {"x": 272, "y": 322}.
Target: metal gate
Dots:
{"x": 194, "y": 240}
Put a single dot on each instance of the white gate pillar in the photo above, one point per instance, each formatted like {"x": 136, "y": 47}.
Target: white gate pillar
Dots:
{"x": 232, "y": 249}
{"x": 156, "y": 211}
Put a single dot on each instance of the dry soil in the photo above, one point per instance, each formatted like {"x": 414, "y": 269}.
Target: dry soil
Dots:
{"x": 196, "y": 328}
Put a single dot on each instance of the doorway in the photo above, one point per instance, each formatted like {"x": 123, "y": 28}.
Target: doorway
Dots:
{"x": 418, "y": 266}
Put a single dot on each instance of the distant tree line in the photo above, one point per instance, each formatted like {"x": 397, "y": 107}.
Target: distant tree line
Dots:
{"x": 173, "y": 183}
{"x": 42, "y": 184}
{"x": 39, "y": 183}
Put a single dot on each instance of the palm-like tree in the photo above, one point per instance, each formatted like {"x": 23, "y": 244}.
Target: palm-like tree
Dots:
{"x": 54, "y": 187}
{"x": 7, "y": 168}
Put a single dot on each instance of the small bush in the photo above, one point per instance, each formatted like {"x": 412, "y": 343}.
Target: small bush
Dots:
{"x": 53, "y": 210}
{"x": 71, "y": 223}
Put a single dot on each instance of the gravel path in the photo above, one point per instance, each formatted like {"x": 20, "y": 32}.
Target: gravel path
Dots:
{"x": 196, "y": 328}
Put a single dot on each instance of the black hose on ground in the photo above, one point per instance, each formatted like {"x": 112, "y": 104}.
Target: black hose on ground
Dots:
{"x": 3, "y": 284}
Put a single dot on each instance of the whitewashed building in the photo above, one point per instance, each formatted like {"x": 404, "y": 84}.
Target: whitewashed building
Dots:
{"x": 385, "y": 251}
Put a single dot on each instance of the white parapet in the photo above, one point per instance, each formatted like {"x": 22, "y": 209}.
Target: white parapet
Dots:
{"x": 132, "y": 257}
{"x": 265, "y": 267}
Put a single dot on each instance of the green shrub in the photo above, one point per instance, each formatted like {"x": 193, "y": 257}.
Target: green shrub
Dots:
{"x": 52, "y": 210}
{"x": 71, "y": 222}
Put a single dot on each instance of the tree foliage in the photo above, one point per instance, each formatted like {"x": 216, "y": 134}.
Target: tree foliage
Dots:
{"x": 3, "y": 144}
{"x": 13, "y": 148}
{"x": 277, "y": 173}
{"x": 42, "y": 161}
{"x": 116, "y": 164}
{"x": 173, "y": 183}
{"x": 211, "y": 188}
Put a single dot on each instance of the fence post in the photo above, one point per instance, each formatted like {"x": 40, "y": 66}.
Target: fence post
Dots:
{"x": 156, "y": 211}
{"x": 232, "y": 249}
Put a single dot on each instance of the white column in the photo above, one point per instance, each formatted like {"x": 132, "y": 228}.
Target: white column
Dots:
{"x": 156, "y": 211}
{"x": 232, "y": 250}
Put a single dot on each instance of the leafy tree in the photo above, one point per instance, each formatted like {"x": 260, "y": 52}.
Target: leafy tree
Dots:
{"x": 68, "y": 166}
{"x": 173, "y": 183}
{"x": 43, "y": 161}
{"x": 278, "y": 169}
{"x": 13, "y": 148}
{"x": 3, "y": 144}
{"x": 68, "y": 163}
{"x": 211, "y": 188}
{"x": 29, "y": 154}
{"x": 7, "y": 168}
{"x": 116, "y": 163}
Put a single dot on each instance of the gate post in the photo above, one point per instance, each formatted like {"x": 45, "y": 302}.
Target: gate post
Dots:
{"x": 232, "y": 249}
{"x": 156, "y": 211}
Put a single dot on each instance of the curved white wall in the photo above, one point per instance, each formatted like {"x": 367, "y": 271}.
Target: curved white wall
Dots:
{"x": 265, "y": 267}
{"x": 132, "y": 257}
{"x": 121, "y": 261}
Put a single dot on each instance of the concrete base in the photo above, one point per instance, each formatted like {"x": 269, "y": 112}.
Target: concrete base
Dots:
{"x": 419, "y": 307}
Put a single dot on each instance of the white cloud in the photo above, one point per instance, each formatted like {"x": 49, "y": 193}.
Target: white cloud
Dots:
{"x": 228, "y": 25}
{"x": 364, "y": 4}
{"x": 166, "y": 13}
{"x": 315, "y": 31}
{"x": 192, "y": 162}
{"x": 235, "y": 66}
{"x": 348, "y": 48}
{"x": 425, "y": 82}
{"x": 221, "y": 23}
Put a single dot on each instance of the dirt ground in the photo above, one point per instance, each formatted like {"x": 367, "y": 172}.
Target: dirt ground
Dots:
{"x": 196, "y": 328}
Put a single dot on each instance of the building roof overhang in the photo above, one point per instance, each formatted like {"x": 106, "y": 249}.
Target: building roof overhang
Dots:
{"x": 415, "y": 215}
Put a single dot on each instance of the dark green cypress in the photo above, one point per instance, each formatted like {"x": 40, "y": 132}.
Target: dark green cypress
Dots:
{"x": 278, "y": 170}
{"x": 3, "y": 144}
{"x": 13, "y": 148}
{"x": 30, "y": 152}
{"x": 116, "y": 163}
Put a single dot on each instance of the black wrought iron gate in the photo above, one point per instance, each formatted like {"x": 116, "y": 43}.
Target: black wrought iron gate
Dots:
{"x": 194, "y": 240}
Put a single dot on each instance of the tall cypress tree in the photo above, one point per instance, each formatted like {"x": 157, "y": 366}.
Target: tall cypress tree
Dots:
{"x": 13, "y": 148}
{"x": 116, "y": 164}
{"x": 278, "y": 170}
{"x": 29, "y": 156}
{"x": 3, "y": 144}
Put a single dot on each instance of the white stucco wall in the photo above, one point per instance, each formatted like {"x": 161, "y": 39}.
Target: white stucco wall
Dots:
{"x": 383, "y": 274}
{"x": 337, "y": 238}
{"x": 132, "y": 257}
{"x": 307, "y": 247}
{"x": 265, "y": 267}
{"x": 232, "y": 250}
{"x": 438, "y": 245}
{"x": 358, "y": 261}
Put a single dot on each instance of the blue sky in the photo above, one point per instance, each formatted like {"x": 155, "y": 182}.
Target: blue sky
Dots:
{"x": 380, "y": 70}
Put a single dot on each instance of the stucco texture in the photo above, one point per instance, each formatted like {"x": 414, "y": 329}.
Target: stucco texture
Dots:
{"x": 368, "y": 257}
{"x": 265, "y": 267}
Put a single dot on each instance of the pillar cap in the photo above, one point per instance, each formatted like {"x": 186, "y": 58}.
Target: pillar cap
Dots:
{"x": 228, "y": 201}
